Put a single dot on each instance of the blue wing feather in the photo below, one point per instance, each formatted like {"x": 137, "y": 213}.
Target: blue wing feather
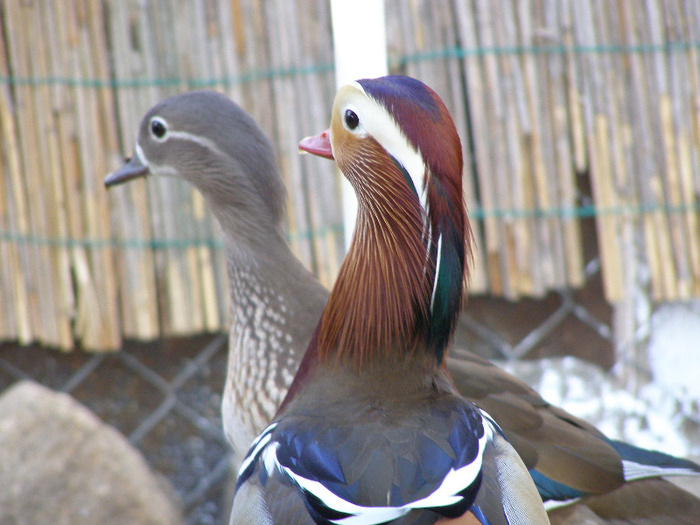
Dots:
{"x": 307, "y": 456}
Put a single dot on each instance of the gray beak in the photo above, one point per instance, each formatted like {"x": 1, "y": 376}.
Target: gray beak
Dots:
{"x": 131, "y": 170}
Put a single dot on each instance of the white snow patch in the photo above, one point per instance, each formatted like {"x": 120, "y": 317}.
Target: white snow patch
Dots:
{"x": 674, "y": 348}
{"x": 654, "y": 419}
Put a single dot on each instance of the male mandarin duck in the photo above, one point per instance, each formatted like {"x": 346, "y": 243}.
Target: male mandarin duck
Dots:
{"x": 372, "y": 429}
{"x": 206, "y": 139}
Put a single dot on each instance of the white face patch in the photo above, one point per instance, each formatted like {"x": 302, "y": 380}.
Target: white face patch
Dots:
{"x": 138, "y": 151}
{"x": 375, "y": 120}
{"x": 155, "y": 169}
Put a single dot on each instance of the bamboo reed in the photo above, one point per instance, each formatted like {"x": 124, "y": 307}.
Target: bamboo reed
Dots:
{"x": 103, "y": 257}
{"x": 22, "y": 19}
{"x": 565, "y": 120}
{"x": 282, "y": 49}
{"x": 509, "y": 168}
{"x": 137, "y": 283}
{"x": 614, "y": 102}
{"x": 478, "y": 278}
{"x": 670, "y": 182}
{"x": 656, "y": 78}
{"x": 597, "y": 123}
{"x": 691, "y": 15}
{"x": 531, "y": 275}
{"x": 478, "y": 94}
{"x": 686, "y": 239}
{"x": 642, "y": 128}
{"x": 322, "y": 187}
{"x": 13, "y": 219}
{"x": 614, "y": 173}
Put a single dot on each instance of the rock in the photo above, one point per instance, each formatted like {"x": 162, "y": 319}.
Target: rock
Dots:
{"x": 62, "y": 465}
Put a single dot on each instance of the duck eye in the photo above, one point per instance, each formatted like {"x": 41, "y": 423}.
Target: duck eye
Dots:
{"x": 158, "y": 128}
{"x": 351, "y": 119}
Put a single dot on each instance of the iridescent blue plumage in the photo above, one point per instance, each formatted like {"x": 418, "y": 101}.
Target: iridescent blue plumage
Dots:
{"x": 404, "y": 96}
{"x": 410, "y": 462}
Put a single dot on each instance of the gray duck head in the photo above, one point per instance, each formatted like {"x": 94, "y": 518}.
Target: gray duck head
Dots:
{"x": 206, "y": 139}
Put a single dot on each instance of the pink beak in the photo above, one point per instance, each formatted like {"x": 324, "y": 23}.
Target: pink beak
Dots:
{"x": 317, "y": 145}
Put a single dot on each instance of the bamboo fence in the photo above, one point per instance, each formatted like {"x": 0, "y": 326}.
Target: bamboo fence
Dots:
{"x": 545, "y": 93}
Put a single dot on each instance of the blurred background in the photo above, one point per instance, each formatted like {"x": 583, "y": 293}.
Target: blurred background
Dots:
{"x": 580, "y": 123}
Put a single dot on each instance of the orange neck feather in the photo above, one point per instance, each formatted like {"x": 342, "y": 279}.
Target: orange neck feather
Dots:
{"x": 379, "y": 306}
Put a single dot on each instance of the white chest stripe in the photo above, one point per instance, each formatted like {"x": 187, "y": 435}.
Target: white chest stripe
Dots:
{"x": 260, "y": 442}
{"x": 138, "y": 151}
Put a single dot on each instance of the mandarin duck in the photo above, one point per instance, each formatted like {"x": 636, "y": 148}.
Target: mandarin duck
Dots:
{"x": 275, "y": 303}
{"x": 372, "y": 429}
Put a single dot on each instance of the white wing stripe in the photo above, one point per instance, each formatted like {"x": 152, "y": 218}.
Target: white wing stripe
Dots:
{"x": 258, "y": 444}
{"x": 634, "y": 471}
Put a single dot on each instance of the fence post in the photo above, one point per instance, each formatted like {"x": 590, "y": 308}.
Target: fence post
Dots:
{"x": 359, "y": 40}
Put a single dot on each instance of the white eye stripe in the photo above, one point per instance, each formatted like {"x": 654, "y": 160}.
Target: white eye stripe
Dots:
{"x": 197, "y": 139}
{"x": 183, "y": 135}
{"x": 376, "y": 120}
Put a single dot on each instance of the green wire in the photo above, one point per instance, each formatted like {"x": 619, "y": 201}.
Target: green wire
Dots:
{"x": 266, "y": 74}
{"x": 192, "y": 83}
{"x": 581, "y": 212}
{"x": 460, "y": 52}
{"x": 149, "y": 244}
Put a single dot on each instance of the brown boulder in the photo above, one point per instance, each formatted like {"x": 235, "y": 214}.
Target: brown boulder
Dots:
{"x": 62, "y": 465}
